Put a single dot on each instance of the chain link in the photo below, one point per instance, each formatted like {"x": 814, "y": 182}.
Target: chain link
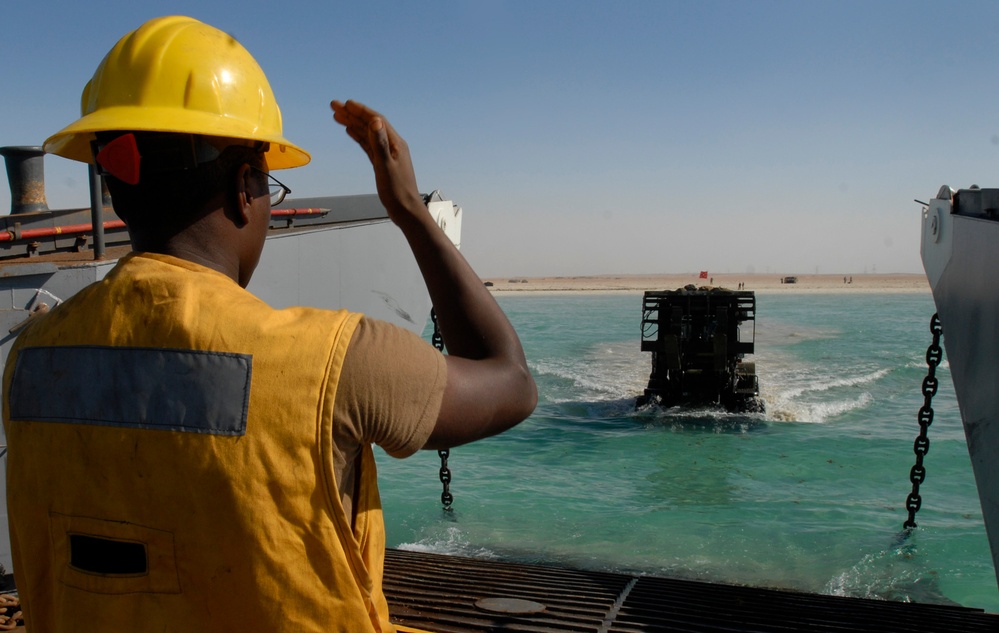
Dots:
{"x": 445, "y": 474}
{"x": 446, "y": 497}
{"x": 934, "y": 354}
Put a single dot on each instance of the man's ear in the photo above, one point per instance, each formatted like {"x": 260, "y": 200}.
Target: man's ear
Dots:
{"x": 243, "y": 194}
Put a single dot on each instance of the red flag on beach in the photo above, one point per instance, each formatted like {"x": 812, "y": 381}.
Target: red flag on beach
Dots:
{"x": 704, "y": 274}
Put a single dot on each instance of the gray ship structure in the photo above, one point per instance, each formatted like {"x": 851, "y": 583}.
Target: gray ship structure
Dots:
{"x": 960, "y": 252}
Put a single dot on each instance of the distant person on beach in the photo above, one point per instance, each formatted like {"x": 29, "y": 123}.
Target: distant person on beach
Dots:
{"x": 184, "y": 457}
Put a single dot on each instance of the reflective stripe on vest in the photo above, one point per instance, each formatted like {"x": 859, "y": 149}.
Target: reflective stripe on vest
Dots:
{"x": 165, "y": 389}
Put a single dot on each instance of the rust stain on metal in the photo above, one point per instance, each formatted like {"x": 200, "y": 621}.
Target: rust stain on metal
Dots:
{"x": 33, "y": 192}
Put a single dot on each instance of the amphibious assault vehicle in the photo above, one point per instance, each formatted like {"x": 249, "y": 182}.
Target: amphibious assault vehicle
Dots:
{"x": 699, "y": 338}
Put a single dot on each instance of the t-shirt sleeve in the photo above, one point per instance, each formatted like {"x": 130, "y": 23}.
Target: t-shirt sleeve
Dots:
{"x": 391, "y": 388}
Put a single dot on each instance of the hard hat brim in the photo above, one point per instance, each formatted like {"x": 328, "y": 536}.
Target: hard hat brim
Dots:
{"x": 73, "y": 141}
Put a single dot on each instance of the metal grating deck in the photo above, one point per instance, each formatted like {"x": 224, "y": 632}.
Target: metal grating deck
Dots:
{"x": 439, "y": 593}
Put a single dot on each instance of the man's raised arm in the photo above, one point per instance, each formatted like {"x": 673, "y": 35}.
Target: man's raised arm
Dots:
{"x": 489, "y": 387}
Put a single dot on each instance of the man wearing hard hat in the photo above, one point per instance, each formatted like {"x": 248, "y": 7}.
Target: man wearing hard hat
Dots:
{"x": 182, "y": 457}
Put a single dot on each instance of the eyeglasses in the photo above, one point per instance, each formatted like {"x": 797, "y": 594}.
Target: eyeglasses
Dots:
{"x": 277, "y": 189}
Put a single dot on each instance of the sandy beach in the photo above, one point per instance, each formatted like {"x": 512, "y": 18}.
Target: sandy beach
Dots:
{"x": 772, "y": 283}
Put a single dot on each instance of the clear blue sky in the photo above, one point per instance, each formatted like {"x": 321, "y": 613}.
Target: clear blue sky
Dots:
{"x": 586, "y": 137}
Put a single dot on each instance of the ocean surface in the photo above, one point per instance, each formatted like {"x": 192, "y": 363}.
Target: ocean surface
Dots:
{"x": 808, "y": 496}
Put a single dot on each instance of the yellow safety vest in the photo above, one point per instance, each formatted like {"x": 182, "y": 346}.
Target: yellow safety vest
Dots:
{"x": 170, "y": 463}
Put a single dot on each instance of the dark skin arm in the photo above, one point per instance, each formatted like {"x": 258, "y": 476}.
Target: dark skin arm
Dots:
{"x": 489, "y": 387}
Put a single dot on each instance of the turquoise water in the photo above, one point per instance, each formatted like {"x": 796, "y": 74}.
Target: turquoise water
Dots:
{"x": 809, "y": 496}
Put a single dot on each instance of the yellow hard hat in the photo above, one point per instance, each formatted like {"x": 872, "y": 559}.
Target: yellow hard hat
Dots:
{"x": 176, "y": 74}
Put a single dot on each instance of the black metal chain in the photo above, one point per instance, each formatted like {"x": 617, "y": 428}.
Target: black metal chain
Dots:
{"x": 934, "y": 354}
{"x": 446, "y": 498}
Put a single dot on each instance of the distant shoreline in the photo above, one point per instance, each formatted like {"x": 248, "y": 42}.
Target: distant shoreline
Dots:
{"x": 816, "y": 284}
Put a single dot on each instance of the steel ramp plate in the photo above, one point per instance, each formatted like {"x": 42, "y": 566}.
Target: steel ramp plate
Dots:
{"x": 446, "y": 593}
